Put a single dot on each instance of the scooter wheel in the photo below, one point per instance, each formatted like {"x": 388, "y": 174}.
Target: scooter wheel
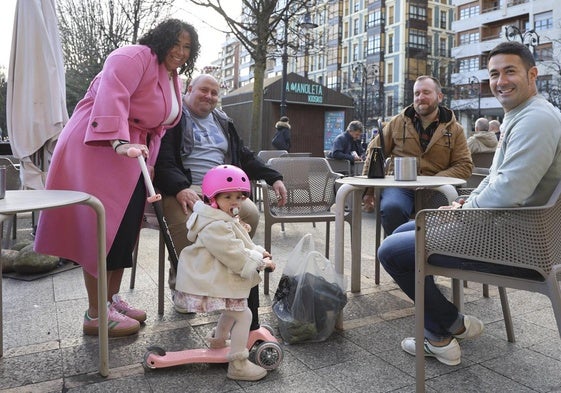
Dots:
{"x": 270, "y": 329}
{"x": 268, "y": 355}
{"x": 146, "y": 362}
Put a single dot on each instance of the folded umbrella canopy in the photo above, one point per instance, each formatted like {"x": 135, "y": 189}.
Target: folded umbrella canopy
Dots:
{"x": 36, "y": 99}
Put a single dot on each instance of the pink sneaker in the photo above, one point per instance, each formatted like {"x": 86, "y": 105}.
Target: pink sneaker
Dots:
{"x": 126, "y": 309}
{"x": 119, "y": 324}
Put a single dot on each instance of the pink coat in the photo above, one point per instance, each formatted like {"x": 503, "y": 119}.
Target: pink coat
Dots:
{"x": 130, "y": 99}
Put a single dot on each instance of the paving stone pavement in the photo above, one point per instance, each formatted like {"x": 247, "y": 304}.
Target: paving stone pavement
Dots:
{"x": 45, "y": 351}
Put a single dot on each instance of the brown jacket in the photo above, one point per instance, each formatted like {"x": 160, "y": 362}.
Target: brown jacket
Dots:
{"x": 446, "y": 155}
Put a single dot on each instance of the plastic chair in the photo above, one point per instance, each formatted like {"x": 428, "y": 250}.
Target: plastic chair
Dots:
{"x": 13, "y": 182}
{"x": 310, "y": 183}
{"x": 151, "y": 222}
{"x": 296, "y": 155}
{"x": 527, "y": 240}
{"x": 340, "y": 166}
{"x": 265, "y": 156}
{"x": 482, "y": 160}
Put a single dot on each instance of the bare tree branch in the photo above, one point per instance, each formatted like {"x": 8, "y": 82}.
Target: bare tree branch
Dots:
{"x": 257, "y": 31}
{"x": 91, "y": 29}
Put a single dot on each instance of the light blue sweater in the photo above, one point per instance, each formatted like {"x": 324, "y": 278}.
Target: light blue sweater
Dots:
{"x": 527, "y": 163}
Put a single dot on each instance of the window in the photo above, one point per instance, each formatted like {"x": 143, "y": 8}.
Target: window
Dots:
{"x": 374, "y": 19}
{"x": 389, "y": 74}
{"x": 370, "y": 21}
{"x": 443, "y": 48}
{"x": 544, "y": 83}
{"x": 356, "y": 6}
{"x": 389, "y": 48}
{"x": 429, "y": 17}
{"x": 417, "y": 39}
{"x": 389, "y": 105}
{"x": 332, "y": 82}
{"x": 543, "y": 21}
{"x": 391, "y": 16}
{"x": 355, "y": 52}
{"x": 470, "y": 37}
{"x": 372, "y": 45}
{"x": 356, "y": 26}
{"x": 416, "y": 12}
{"x": 443, "y": 19}
{"x": 544, "y": 52}
{"x": 469, "y": 65}
{"x": 469, "y": 11}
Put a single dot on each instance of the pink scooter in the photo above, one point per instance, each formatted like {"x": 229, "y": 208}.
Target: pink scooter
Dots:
{"x": 264, "y": 350}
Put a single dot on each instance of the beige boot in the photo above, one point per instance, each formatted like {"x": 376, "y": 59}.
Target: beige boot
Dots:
{"x": 242, "y": 369}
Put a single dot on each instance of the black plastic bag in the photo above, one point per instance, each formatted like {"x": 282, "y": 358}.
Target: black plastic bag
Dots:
{"x": 309, "y": 297}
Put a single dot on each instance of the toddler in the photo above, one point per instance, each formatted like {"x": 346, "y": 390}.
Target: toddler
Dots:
{"x": 218, "y": 270}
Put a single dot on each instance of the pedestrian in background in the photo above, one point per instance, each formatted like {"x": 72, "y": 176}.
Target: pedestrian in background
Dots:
{"x": 495, "y": 127}
{"x": 281, "y": 139}
{"x": 482, "y": 141}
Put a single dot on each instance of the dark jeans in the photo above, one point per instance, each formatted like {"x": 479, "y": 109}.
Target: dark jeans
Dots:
{"x": 396, "y": 207}
{"x": 397, "y": 255}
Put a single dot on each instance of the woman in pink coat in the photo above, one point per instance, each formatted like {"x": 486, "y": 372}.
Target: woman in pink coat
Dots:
{"x": 130, "y": 103}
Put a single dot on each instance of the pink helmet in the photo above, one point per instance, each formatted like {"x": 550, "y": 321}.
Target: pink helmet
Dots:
{"x": 225, "y": 178}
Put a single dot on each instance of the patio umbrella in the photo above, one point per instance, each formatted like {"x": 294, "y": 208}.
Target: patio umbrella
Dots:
{"x": 36, "y": 103}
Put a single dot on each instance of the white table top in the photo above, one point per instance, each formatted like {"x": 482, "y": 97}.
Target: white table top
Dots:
{"x": 389, "y": 181}
{"x": 17, "y": 201}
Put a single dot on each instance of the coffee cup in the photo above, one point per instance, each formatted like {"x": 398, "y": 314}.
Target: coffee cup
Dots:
{"x": 405, "y": 168}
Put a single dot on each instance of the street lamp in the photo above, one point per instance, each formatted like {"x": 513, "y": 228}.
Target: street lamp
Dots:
{"x": 284, "y": 59}
{"x": 529, "y": 38}
{"x": 307, "y": 25}
{"x": 472, "y": 81}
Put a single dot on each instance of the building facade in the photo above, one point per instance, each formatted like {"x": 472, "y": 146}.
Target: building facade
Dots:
{"x": 373, "y": 50}
{"x": 480, "y": 26}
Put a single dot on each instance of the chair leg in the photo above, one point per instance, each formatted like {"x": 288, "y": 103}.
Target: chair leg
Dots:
{"x": 134, "y": 259}
{"x": 14, "y": 227}
{"x": 327, "y": 239}
{"x": 506, "y": 314}
{"x": 268, "y": 248}
{"x": 161, "y": 273}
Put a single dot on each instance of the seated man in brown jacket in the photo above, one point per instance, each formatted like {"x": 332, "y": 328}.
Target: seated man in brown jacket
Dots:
{"x": 428, "y": 131}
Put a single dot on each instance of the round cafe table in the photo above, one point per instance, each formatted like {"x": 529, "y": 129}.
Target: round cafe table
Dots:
{"x": 355, "y": 185}
{"x": 20, "y": 201}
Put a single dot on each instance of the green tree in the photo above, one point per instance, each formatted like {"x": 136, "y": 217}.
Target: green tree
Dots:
{"x": 257, "y": 30}
{"x": 91, "y": 29}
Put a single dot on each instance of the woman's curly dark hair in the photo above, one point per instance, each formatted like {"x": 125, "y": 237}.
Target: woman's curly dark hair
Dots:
{"x": 164, "y": 36}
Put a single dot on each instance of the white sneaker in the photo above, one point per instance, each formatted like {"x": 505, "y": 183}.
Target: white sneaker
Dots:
{"x": 474, "y": 328}
{"x": 449, "y": 354}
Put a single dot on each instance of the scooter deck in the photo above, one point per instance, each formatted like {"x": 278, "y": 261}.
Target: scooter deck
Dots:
{"x": 199, "y": 355}
{"x": 204, "y": 355}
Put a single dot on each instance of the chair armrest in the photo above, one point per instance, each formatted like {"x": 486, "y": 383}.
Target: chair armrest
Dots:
{"x": 522, "y": 237}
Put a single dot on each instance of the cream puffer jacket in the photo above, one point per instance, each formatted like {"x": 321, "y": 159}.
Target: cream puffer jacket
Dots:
{"x": 223, "y": 261}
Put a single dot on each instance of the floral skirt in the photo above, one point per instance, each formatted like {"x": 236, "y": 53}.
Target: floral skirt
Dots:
{"x": 203, "y": 304}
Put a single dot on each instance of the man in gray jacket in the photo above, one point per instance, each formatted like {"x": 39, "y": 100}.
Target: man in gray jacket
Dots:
{"x": 525, "y": 172}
